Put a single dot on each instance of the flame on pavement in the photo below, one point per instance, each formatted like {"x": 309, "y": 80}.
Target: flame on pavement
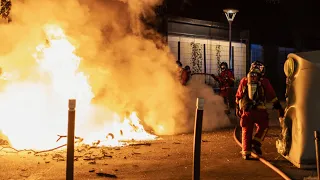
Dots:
{"x": 34, "y": 112}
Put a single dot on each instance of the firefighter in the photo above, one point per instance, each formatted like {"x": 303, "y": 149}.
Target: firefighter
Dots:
{"x": 226, "y": 82}
{"x": 185, "y": 75}
{"x": 252, "y": 94}
{"x": 259, "y": 65}
{"x": 179, "y": 70}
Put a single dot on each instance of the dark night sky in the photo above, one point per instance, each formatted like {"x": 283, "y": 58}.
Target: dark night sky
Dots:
{"x": 288, "y": 23}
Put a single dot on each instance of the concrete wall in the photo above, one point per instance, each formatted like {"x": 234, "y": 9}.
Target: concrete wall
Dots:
{"x": 200, "y": 28}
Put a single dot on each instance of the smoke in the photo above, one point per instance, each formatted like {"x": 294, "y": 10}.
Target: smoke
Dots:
{"x": 130, "y": 69}
{"x": 214, "y": 116}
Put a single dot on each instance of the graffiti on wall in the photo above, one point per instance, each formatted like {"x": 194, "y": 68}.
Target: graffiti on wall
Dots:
{"x": 196, "y": 58}
{"x": 218, "y": 55}
{"x": 5, "y": 7}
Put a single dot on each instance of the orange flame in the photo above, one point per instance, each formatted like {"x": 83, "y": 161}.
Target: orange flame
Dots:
{"x": 34, "y": 112}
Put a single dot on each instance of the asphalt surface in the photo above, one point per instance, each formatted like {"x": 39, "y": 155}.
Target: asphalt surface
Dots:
{"x": 167, "y": 158}
{"x": 270, "y": 154}
{"x": 270, "y": 151}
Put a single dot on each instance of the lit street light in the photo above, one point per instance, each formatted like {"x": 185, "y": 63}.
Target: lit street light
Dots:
{"x": 230, "y": 14}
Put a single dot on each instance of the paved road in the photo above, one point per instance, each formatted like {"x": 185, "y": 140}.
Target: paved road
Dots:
{"x": 170, "y": 158}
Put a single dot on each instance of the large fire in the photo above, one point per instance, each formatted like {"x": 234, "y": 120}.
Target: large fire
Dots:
{"x": 33, "y": 112}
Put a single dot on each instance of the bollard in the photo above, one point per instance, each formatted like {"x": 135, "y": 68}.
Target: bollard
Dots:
{"x": 316, "y": 141}
{"x": 70, "y": 142}
{"x": 197, "y": 139}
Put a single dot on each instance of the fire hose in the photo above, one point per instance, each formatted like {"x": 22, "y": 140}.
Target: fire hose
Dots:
{"x": 38, "y": 152}
{"x": 202, "y": 74}
{"x": 265, "y": 162}
{"x": 30, "y": 150}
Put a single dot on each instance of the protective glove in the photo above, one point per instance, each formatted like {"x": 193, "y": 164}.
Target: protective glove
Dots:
{"x": 281, "y": 112}
{"x": 277, "y": 106}
{"x": 214, "y": 77}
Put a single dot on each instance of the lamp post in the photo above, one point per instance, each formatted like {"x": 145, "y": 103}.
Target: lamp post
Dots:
{"x": 230, "y": 14}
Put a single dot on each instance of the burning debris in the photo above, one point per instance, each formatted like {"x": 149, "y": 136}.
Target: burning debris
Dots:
{"x": 58, "y": 157}
{"x": 79, "y": 57}
{"x": 59, "y": 66}
{"x": 3, "y": 142}
{"x": 89, "y": 153}
{"x": 106, "y": 175}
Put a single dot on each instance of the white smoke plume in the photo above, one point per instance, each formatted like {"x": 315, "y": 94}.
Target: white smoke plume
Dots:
{"x": 130, "y": 68}
{"x": 214, "y": 116}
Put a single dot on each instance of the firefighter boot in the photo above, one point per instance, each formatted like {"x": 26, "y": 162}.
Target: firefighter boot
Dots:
{"x": 226, "y": 102}
{"x": 246, "y": 156}
{"x": 256, "y": 147}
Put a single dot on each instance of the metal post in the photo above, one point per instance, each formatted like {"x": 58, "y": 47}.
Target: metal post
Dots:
{"x": 230, "y": 46}
{"x": 205, "y": 63}
{"x": 316, "y": 140}
{"x": 232, "y": 57}
{"x": 70, "y": 142}
{"x": 204, "y": 59}
{"x": 248, "y": 51}
{"x": 197, "y": 139}
{"x": 230, "y": 14}
{"x": 179, "y": 51}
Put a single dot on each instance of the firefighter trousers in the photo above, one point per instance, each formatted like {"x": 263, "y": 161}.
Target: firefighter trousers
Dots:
{"x": 225, "y": 93}
{"x": 258, "y": 117}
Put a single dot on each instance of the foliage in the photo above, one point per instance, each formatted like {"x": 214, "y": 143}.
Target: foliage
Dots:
{"x": 218, "y": 55}
{"x": 196, "y": 58}
{"x": 5, "y": 7}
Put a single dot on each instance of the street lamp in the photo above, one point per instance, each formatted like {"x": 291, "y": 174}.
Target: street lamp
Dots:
{"x": 230, "y": 14}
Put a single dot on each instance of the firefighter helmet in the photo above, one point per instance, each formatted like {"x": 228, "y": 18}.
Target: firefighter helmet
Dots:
{"x": 254, "y": 74}
{"x": 223, "y": 66}
{"x": 258, "y": 65}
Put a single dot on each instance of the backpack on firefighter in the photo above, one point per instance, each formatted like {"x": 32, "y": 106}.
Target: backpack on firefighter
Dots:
{"x": 252, "y": 90}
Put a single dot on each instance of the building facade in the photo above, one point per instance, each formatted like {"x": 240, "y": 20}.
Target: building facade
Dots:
{"x": 203, "y": 45}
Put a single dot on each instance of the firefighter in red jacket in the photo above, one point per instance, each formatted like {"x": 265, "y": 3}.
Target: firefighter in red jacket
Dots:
{"x": 179, "y": 70}
{"x": 226, "y": 81}
{"x": 252, "y": 94}
{"x": 185, "y": 75}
